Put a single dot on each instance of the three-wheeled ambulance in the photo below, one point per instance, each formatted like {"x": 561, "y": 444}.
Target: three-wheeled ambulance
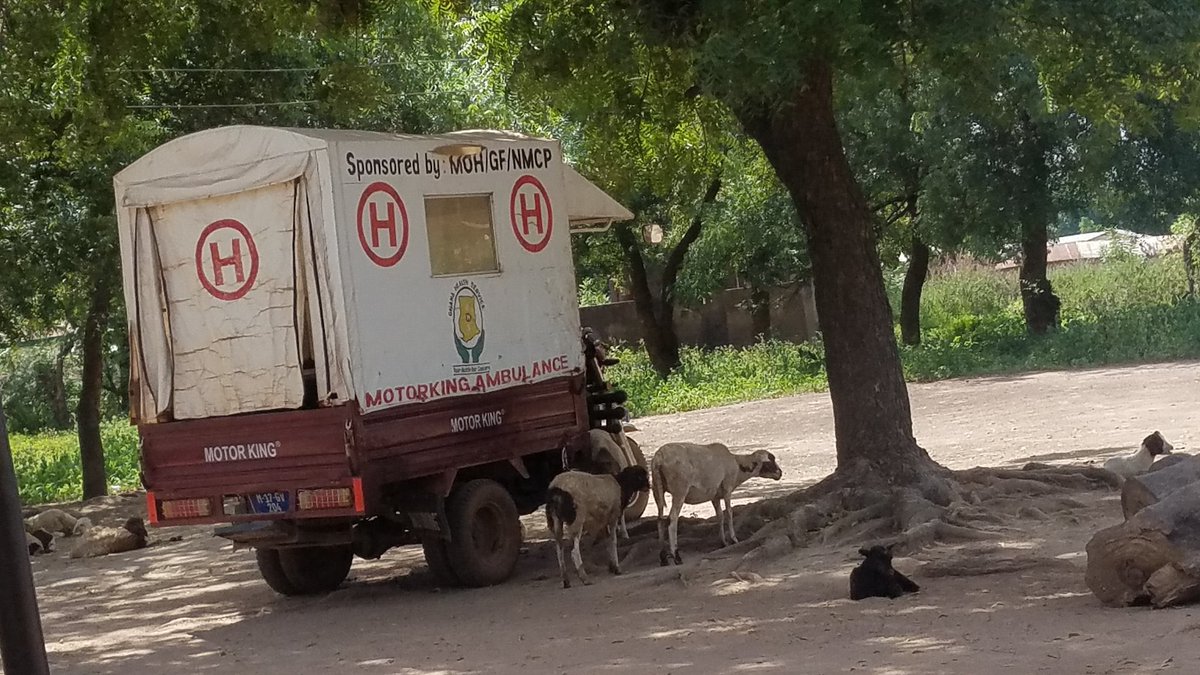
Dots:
{"x": 343, "y": 341}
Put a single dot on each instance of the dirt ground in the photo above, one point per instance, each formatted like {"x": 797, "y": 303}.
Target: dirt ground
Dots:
{"x": 195, "y": 606}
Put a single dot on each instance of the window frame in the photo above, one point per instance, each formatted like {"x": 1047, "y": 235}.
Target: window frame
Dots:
{"x": 491, "y": 204}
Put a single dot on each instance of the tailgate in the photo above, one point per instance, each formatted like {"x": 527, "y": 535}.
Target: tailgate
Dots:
{"x": 264, "y": 450}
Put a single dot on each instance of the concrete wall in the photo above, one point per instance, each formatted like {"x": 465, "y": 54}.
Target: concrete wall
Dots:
{"x": 723, "y": 320}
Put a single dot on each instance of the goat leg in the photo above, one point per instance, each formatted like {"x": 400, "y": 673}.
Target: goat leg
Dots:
{"x": 561, "y": 548}
{"x": 673, "y": 530}
{"x": 614, "y": 564}
{"x": 720, "y": 521}
{"x": 577, "y": 558}
{"x": 661, "y": 525}
{"x": 729, "y": 515}
{"x": 907, "y": 585}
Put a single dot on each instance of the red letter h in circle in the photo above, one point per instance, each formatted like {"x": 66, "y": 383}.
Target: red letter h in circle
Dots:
{"x": 388, "y": 224}
{"x": 219, "y": 264}
{"x": 534, "y": 213}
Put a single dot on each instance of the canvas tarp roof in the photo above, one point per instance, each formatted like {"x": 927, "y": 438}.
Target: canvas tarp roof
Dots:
{"x": 223, "y": 163}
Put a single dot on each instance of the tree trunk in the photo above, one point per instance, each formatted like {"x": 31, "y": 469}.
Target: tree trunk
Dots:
{"x": 872, "y": 415}
{"x": 1152, "y": 487}
{"x": 658, "y": 318}
{"x": 1189, "y": 265}
{"x": 658, "y": 332}
{"x": 1037, "y": 296}
{"x": 760, "y": 312}
{"x": 1154, "y": 557}
{"x": 87, "y": 415}
{"x": 910, "y": 294}
{"x": 52, "y": 381}
{"x": 116, "y": 375}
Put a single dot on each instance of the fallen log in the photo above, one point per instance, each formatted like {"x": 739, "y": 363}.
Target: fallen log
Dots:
{"x": 1149, "y": 488}
{"x": 1152, "y": 558}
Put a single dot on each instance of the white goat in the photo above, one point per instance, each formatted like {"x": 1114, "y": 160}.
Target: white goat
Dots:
{"x": 54, "y": 520}
{"x": 1139, "y": 462}
{"x": 693, "y": 474}
{"x": 579, "y": 504}
{"x": 99, "y": 541}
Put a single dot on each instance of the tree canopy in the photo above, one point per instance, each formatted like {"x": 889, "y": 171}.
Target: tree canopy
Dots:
{"x": 775, "y": 141}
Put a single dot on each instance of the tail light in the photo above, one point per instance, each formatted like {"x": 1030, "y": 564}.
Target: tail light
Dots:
{"x": 177, "y": 509}
{"x": 151, "y": 507}
{"x": 325, "y": 498}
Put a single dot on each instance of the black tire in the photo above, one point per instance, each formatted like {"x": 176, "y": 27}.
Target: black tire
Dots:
{"x": 437, "y": 557}
{"x": 272, "y": 571}
{"x": 616, "y": 396}
{"x": 315, "y": 569}
{"x": 638, "y": 507}
{"x": 485, "y": 533}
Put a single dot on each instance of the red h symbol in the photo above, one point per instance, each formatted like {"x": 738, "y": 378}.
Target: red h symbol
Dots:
{"x": 378, "y": 224}
{"x": 535, "y": 213}
{"x": 219, "y": 264}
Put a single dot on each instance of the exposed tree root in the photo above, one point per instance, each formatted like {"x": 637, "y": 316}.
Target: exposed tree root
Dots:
{"x": 857, "y": 508}
{"x": 981, "y": 559}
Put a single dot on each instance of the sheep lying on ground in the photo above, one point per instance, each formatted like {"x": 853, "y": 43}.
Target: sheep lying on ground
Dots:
{"x": 99, "y": 541}
{"x": 579, "y": 504}
{"x": 39, "y": 541}
{"x": 693, "y": 474}
{"x": 876, "y": 578}
{"x": 56, "y": 521}
{"x": 1139, "y": 462}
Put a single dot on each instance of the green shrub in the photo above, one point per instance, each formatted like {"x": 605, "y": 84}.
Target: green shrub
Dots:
{"x": 1122, "y": 310}
{"x": 48, "y": 468}
{"x": 716, "y": 377}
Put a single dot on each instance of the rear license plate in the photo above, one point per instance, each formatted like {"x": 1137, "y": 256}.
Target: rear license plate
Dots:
{"x": 269, "y": 502}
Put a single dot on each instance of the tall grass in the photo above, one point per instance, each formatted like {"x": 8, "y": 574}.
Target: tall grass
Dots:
{"x": 1124, "y": 310}
{"x": 716, "y": 377}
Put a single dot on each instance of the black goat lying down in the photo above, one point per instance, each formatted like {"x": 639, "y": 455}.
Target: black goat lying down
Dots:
{"x": 876, "y": 578}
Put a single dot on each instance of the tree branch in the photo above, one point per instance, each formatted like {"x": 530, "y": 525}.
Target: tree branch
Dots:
{"x": 894, "y": 201}
{"x": 675, "y": 260}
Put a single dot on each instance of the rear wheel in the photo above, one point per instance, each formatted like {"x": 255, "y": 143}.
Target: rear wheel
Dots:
{"x": 485, "y": 533}
{"x": 638, "y": 507}
{"x": 305, "y": 571}
{"x": 272, "y": 571}
{"x": 438, "y": 558}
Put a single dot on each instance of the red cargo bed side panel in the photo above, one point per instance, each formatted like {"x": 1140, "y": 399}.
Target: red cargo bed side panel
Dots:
{"x": 421, "y": 440}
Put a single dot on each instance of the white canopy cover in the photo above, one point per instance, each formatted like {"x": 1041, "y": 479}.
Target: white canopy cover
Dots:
{"x": 386, "y": 269}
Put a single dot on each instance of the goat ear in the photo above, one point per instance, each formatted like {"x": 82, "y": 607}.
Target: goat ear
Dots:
{"x": 864, "y": 552}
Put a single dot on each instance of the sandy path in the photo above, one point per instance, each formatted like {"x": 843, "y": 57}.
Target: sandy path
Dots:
{"x": 194, "y": 606}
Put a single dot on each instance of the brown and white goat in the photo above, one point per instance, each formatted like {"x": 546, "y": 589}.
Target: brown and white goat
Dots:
{"x": 606, "y": 453}
{"x": 581, "y": 504}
